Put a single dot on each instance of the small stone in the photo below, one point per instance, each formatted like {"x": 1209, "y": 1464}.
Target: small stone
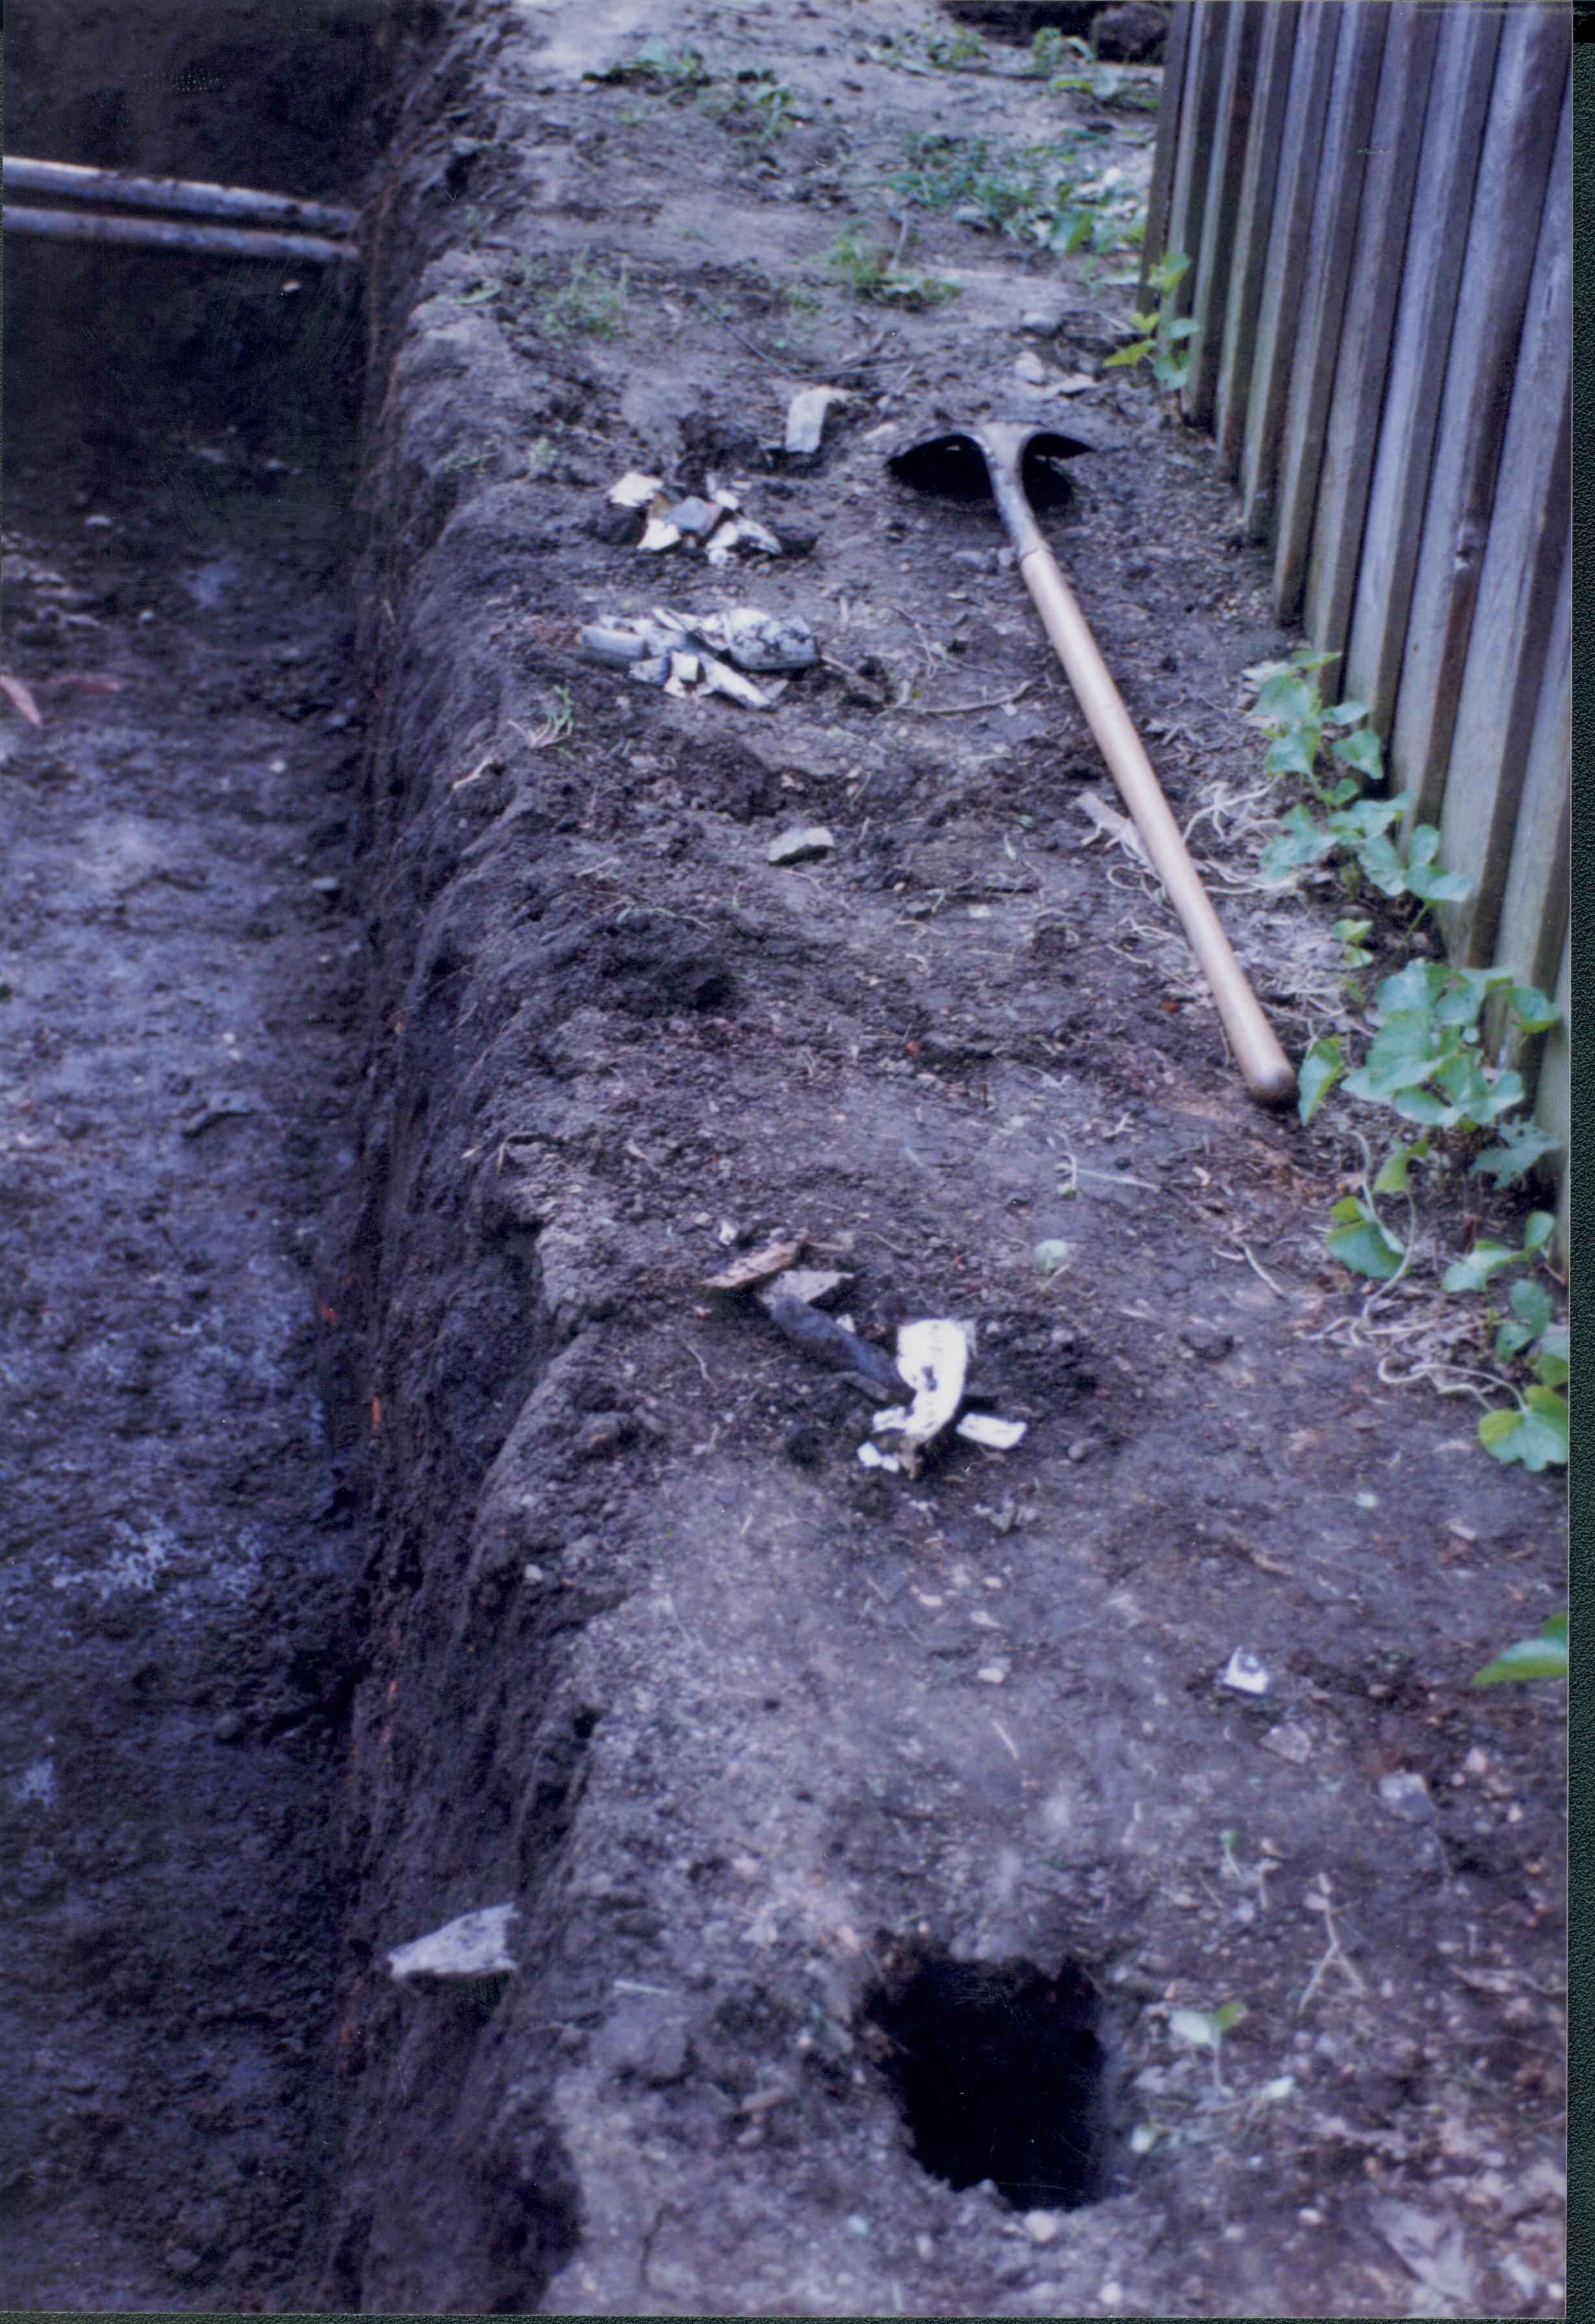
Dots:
{"x": 1041, "y": 320}
{"x": 1245, "y": 1674}
{"x": 1030, "y": 367}
{"x": 800, "y": 845}
{"x": 992, "y": 1673}
{"x": 1288, "y": 1741}
{"x": 1041, "y": 2227}
{"x": 1082, "y": 1449}
{"x": 1205, "y": 1339}
{"x": 228, "y": 1728}
{"x": 1407, "y": 1795}
{"x": 180, "y": 2260}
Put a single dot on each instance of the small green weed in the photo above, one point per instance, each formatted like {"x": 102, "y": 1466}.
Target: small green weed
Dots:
{"x": 1204, "y": 2029}
{"x": 875, "y": 275}
{"x": 677, "y": 71}
{"x": 1543, "y": 1657}
{"x": 588, "y": 300}
{"x": 1169, "y": 368}
{"x": 1052, "y": 193}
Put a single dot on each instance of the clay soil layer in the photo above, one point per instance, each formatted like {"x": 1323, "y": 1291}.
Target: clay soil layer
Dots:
{"x": 410, "y": 1530}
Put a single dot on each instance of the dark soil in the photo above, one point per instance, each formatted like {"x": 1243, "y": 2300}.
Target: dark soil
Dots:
{"x": 833, "y": 1805}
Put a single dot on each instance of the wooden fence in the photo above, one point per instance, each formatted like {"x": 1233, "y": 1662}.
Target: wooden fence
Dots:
{"x": 1376, "y": 200}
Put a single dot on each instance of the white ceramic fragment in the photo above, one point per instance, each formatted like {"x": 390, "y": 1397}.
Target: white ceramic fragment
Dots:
{"x": 635, "y": 489}
{"x": 806, "y": 416}
{"x": 475, "y": 1945}
{"x": 985, "y": 1428}
{"x": 1245, "y": 1674}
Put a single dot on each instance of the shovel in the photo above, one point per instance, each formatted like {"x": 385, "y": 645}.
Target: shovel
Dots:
{"x": 1014, "y": 465}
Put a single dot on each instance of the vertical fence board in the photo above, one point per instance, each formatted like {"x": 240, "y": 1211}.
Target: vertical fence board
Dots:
{"x": 1531, "y": 74}
{"x": 1518, "y": 575}
{"x": 1187, "y": 193}
{"x": 1168, "y": 126}
{"x": 1553, "y": 1099}
{"x": 1236, "y": 90}
{"x": 1337, "y": 205}
{"x": 1270, "y": 97}
{"x": 1535, "y": 905}
{"x": 1448, "y": 163}
{"x": 1361, "y": 364}
{"x": 1311, "y": 70}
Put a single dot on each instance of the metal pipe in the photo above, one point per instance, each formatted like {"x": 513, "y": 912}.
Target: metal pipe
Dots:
{"x": 201, "y": 200}
{"x": 171, "y": 234}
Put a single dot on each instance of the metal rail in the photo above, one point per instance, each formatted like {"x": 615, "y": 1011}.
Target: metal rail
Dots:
{"x": 173, "y": 234}
{"x": 199, "y": 198}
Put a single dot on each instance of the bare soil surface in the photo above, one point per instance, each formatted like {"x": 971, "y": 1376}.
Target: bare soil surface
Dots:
{"x": 867, "y": 1835}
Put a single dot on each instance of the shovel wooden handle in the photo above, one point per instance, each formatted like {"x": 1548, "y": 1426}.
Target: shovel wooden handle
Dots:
{"x": 1263, "y": 1063}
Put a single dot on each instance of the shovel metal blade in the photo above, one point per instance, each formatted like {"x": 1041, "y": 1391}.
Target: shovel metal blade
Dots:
{"x": 959, "y": 466}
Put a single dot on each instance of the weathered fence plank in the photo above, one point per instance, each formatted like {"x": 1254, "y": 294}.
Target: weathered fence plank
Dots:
{"x": 1242, "y": 31}
{"x": 1448, "y": 163}
{"x": 1270, "y": 98}
{"x": 1168, "y": 125}
{"x": 1531, "y": 75}
{"x": 1199, "y": 100}
{"x": 1343, "y": 168}
{"x": 1312, "y": 73}
{"x": 1352, "y": 427}
{"x": 1518, "y": 577}
{"x": 1535, "y": 902}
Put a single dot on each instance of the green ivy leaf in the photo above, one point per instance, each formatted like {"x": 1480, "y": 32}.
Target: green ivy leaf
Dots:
{"x": 1345, "y": 713}
{"x": 1292, "y": 754}
{"x": 1415, "y": 987}
{"x": 1322, "y": 1067}
{"x": 1549, "y": 1364}
{"x": 1183, "y": 329}
{"x": 1538, "y": 1227}
{"x": 1534, "y": 1434}
{"x": 1130, "y": 355}
{"x": 1365, "y": 1247}
{"x": 1530, "y": 1302}
{"x": 1534, "y": 1013}
{"x": 1471, "y": 1274}
{"x": 1287, "y": 697}
{"x": 1361, "y": 751}
{"x": 1393, "y": 1170}
{"x": 1541, "y": 1657}
{"x": 1402, "y": 1054}
{"x": 1523, "y": 1144}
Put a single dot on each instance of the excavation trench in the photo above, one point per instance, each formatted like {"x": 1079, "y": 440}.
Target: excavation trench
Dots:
{"x": 406, "y": 1019}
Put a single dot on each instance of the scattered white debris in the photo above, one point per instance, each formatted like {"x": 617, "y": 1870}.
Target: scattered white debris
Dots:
{"x": 719, "y": 677}
{"x": 635, "y": 489}
{"x": 806, "y": 416}
{"x": 475, "y": 1945}
{"x": 771, "y": 1258}
{"x": 658, "y": 533}
{"x": 933, "y": 1357}
{"x": 703, "y": 652}
{"x": 872, "y": 1458}
{"x": 1245, "y": 1674}
{"x": 738, "y": 532}
{"x": 755, "y": 640}
{"x": 985, "y": 1428}
{"x": 799, "y": 845}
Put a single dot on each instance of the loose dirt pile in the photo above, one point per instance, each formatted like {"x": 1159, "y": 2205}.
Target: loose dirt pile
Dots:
{"x": 878, "y": 1848}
